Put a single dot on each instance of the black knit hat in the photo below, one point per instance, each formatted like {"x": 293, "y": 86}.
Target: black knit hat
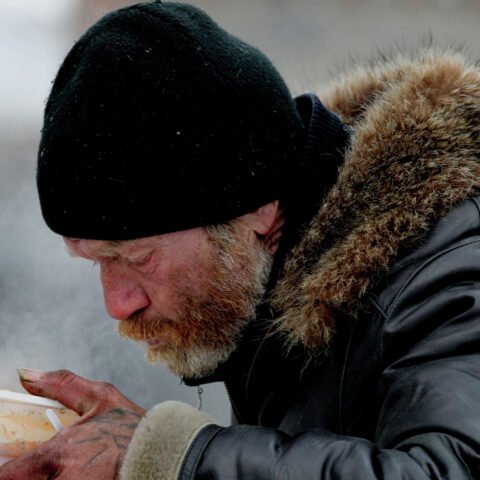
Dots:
{"x": 158, "y": 121}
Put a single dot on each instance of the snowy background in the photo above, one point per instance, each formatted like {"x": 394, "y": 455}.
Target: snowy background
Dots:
{"x": 51, "y": 307}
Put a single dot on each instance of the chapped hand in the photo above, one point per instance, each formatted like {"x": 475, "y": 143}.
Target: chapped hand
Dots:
{"x": 92, "y": 448}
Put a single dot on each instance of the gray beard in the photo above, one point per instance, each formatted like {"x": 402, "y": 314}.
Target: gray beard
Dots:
{"x": 195, "y": 362}
{"x": 202, "y": 360}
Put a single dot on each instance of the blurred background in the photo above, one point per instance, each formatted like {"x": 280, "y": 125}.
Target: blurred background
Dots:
{"x": 51, "y": 307}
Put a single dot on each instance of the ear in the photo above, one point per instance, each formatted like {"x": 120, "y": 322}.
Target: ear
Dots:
{"x": 266, "y": 222}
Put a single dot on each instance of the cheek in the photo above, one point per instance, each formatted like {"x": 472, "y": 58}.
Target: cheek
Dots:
{"x": 190, "y": 277}
{"x": 165, "y": 286}
{"x": 175, "y": 277}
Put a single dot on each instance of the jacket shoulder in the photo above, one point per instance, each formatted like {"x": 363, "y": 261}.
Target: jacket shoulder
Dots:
{"x": 449, "y": 254}
{"x": 432, "y": 72}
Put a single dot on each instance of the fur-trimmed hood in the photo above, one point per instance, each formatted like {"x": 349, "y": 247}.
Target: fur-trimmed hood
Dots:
{"x": 414, "y": 154}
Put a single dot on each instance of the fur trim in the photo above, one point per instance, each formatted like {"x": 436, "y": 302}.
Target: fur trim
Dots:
{"x": 161, "y": 441}
{"x": 415, "y": 153}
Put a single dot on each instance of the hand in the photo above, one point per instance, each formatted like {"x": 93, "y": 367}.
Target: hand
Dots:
{"x": 92, "y": 448}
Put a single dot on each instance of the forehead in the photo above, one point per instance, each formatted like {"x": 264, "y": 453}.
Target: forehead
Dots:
{"x": 107, "y": 248}
{"x": 101, "y": 248}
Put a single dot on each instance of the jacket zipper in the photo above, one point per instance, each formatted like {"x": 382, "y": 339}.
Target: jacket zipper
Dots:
{"x": 234, "y": 406}
{"x": 249, "y": 376}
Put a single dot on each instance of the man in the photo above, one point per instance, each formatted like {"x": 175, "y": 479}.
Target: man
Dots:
{"x": 325, "y": 266}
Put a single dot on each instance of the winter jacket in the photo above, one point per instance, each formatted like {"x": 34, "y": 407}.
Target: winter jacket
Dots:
{"x": 371, "y": 369}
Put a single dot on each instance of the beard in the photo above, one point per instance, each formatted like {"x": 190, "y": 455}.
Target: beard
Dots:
{"x": 208, "y": 323}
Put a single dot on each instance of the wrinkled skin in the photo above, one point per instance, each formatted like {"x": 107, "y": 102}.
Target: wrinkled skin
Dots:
{"x": 93, "y": 447}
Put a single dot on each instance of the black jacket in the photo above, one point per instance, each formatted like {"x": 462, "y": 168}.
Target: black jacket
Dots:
{"x": 398, "y": 400}
{"x": 371, "y": 365}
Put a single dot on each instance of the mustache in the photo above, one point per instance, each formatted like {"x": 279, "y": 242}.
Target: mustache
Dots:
{"x": 139, "y": 328}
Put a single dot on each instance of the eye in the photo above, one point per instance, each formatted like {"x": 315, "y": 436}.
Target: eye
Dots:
{"x": 142, "y": 261}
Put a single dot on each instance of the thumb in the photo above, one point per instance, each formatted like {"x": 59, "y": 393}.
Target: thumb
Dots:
{"x": 73, "y": 391}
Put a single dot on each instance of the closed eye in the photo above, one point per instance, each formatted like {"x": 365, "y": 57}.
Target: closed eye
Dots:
{"x": 141, "y": 261}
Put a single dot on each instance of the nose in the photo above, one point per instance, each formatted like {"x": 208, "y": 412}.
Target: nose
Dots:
{"x": 123, "y": 295}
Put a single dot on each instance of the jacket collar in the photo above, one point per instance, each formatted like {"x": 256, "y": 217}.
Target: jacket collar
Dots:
{"x": 413, "y": 155}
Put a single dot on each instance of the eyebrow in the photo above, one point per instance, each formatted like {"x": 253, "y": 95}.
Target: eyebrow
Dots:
{"x": 108, "y": 251}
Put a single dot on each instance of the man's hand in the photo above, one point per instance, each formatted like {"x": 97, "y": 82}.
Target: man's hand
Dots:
{"x": 92, "y": 448}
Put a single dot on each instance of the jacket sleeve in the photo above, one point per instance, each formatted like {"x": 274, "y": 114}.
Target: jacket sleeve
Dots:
{"x": 428, "y": 426}
{"x": 164, "y": 438}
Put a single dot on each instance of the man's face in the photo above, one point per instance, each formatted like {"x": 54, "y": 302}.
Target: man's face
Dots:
{"x": 187, "y": 295}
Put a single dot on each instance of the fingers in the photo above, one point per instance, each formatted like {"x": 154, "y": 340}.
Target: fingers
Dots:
{"x": 34, "y": 466}
{"x": 73, "y": 391}
{"x": 93, "y": 447}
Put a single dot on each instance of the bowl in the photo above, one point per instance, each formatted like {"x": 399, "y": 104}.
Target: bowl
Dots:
{"x": 26, "y": 421}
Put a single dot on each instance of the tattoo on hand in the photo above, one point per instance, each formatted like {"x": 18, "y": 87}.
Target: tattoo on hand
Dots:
{"x": 116, "y": 431}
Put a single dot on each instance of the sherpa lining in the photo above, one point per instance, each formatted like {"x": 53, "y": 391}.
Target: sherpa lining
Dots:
{"x": 414, "y": 154}
{"x": 161, "y": 441}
